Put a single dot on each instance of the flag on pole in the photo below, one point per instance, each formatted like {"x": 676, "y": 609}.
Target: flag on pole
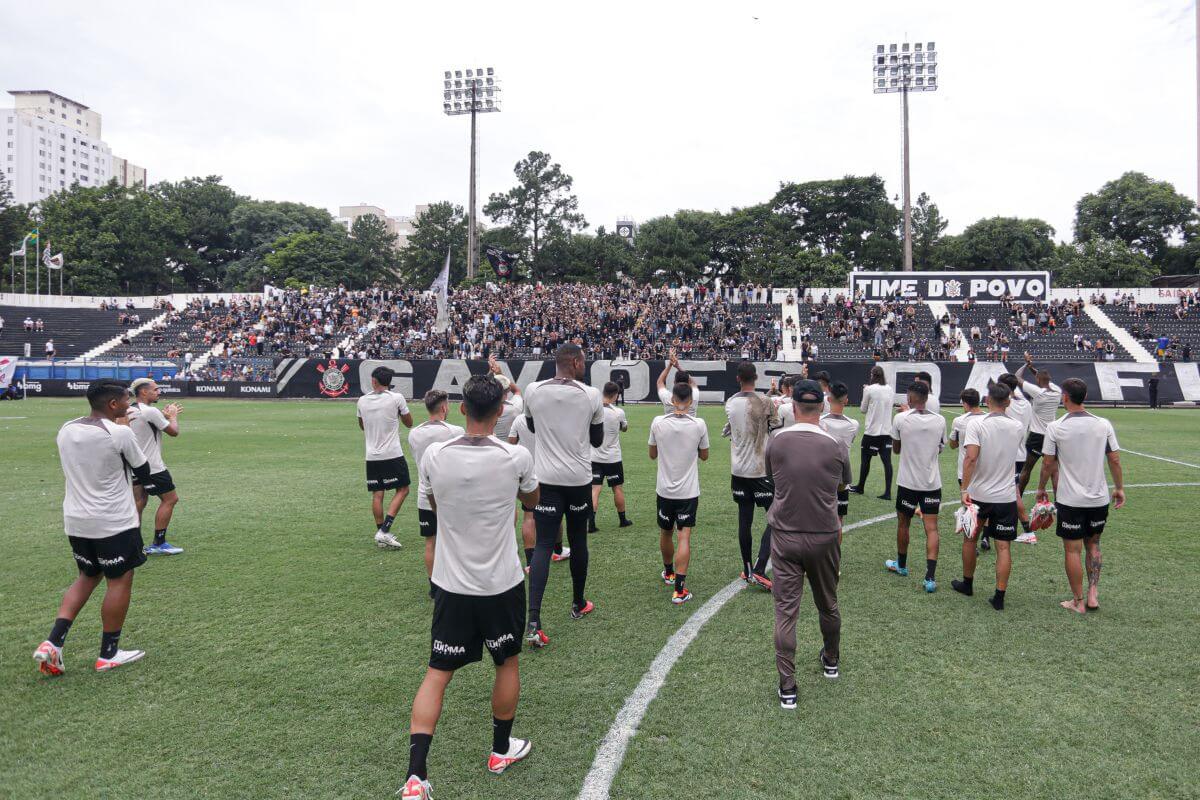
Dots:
{"x": 52, "y": 262}
{"x": 441, "y": 287}
{"x": 24, "y": 242}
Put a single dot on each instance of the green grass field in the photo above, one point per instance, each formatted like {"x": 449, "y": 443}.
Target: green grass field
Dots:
{"x": 284, "y": 647}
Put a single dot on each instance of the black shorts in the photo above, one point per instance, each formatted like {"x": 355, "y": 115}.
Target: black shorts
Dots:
{"x": 1000, "y": 520}
{"x": 1034, "y": 443}
{"x": 1079, "y": 523}
{"x": 160, "y": 483}
{"x": 614, "y": 473}
{"x": 759, "y": 491}
{"x": 556, "y": 502}
{"x": 427, "y": 522}
{"x": 843, "y": 502}
{"x": 113, "y": 556}
{"x": 391, "y": 473}
{"x": 464, "y": 624}
{"x": 677, "y": 513}
{"x": 909, "y": 500}
{"x": 877, "y": 444}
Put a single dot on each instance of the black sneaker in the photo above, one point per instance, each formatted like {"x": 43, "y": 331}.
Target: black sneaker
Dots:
{"x": 830, "y": 670}
{"x": 962, "y": 587}
{"x": 593, "y": 528}
{"x": 854, "y": 490}
{"x": 627, "y": 523}
{"x": 787, "y": 698}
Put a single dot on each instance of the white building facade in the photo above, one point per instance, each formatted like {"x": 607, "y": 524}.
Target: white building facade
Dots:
{"x": 50, "y": 143}
{"x": 403, "y": 227}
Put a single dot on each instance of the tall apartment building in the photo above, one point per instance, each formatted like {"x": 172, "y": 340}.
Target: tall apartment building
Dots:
{"x": 401, "y": 226}
{"x": 51, "y": 142}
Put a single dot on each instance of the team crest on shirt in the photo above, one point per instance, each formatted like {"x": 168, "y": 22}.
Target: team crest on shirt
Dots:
{"x": 333, "y": 379}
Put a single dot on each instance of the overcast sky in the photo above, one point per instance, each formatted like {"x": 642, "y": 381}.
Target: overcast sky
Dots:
{"x": 652, "y": 107}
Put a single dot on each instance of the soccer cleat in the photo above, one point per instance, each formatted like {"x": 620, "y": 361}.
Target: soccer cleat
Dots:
{"x": 162, "y": 549}
{"x": 386, "y": 540}
{"x": 1028, "y": 538}
{"x": 627, "y": 523}
{"x": 885, "y": 496}
{"x": 679, "y": 598}
{"x": 787, "y": 698}
{"x": 830, "y": 670}
{"x": 579, "y": 612}
{"x": 894, "y": 566}
{"x": 962, "y": 587}
{"x": 985, "y": 543}
{"x": 49, "y": 659}
{"x": 592, "y": 528}
{"x": 518, "y": 749}
{"x": 930, "y": 585}
{"x": 563, "y": 556}
{"x": 120, "y": 659}
{"x": 761, "y": 580}
{"x": 415, "y": 789}
{"x": 854, "y": 490}
{"x": 535, "y": 636}
{"x": 669, "y": 577}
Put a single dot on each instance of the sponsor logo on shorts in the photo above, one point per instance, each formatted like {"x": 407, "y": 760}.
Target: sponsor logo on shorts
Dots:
{"x": 424, "y": 523}
{"x": 1070, "y": 526}
{"x": 545, "y": 509}
{"x": 386, "y": 481}
{"x": 448, "y": 649}
{"x": 1098, "y": 523}
{"x": 87, "y": 562}
{"x": 907, "y": 504}
{"x": 578, "y": 508}
{"x": 739, "y": 493}
{"x": 111, "y": 562}
{"x": 764, "y": 494}
{"x": 494, "y": 644}
{"x": 681, "y": 516}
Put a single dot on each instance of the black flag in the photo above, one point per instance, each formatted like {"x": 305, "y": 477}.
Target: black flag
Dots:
{"x": 501, "y": 261}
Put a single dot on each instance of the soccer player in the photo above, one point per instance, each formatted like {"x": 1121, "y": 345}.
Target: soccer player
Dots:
{"x": 101, "y": 522}
{"x": 664, "y": 393}
{"x": 378, "y": 411}
{"x": 823, "y": 379}
{"x": 1044, "y": 397}
{"x": 750, "y": 419}
{"x": 435, "y": 429}
{"x": 989, "y": 483}
{"x": 521, "y": 435}
{"x": 1020, "y": 410}
{"x": 783, "y": 403}
{"x": 918, "y": 436}
{"x": 844, "y": 429}
{"x": 606, "y": 459}
{"x": 1077, "y": 445}
{"x": 514, "y": 406}
{"x": 877, "y": 401}
{"x": 568, "y": 417}
{"x": 470, "y": 482}
{"x": 148, "y": 425}
{"x": 932, "y": 405}
{"x": 679, "y": 439}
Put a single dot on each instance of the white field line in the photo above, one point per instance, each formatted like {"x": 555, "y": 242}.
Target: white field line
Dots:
{"x": 611, "y": 752}
{"x": 1162, "y": 458}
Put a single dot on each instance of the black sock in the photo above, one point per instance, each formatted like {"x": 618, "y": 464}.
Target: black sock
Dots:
{"x": 558, "y": 548}
{"x": 501, "y": 730}
{"x": 528, "y": 556}
{"x": 160, "y": 535}
{"x": 621, "y": 515}
{"x": 930, "y": 568}
{"x": 58, "y": 634}
{"x": 108, "y": 643}
{"x": 386, "y": 527}
{"x": 997, "y": 600}
{"x": 669, "y": 567}
{"x": 679, "y": 579}
{"x": 902, "y": 560}
{"x": 418, "y": 752}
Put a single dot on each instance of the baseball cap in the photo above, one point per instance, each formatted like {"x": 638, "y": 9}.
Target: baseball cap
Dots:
{"x": 807, "y": 391}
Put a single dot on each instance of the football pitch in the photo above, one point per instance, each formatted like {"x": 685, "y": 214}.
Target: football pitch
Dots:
{"x": 284, "y": 648}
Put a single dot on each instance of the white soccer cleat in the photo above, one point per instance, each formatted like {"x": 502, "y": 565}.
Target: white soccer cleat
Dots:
{"x": 518, "y": 749}
{"x": 1027, "y": 538}
{"x": 415, "y": 789}
{"x": 121, "y": 658}
{"x": 49, "y": 659}
{"x": 386, "y": 540}
{"x": 563, "y": 556}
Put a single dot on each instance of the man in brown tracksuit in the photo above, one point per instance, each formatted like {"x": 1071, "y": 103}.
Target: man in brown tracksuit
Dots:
{"x": 809, "y": 467}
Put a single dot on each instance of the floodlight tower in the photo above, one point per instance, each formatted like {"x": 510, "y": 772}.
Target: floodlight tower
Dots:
{"x": 905, "y": 68}
{"x": 471, "y": 91}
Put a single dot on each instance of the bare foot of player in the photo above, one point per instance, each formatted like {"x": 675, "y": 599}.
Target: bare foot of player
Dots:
{"x": 1074, "y": 605}
{"x": 1093, "y": 598}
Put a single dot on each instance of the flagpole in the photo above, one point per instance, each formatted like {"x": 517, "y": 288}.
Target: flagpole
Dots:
{"x": 24, "y": 274}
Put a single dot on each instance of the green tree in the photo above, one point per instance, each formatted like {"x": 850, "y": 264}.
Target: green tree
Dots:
{"x": 671, "y": 252}
{"x": 1101, "y": 262}
{"x": 541, "y": 205}
{"x": 1001, "y": 243}
{"x": 14, "y": 224}
{"x": 372, "y": 251}
{"x": 206, "y": 207}
{"x": 928, "y": 225}
{"x": 1143, "y": 213}
{"x": 586, "y": 258}
{"x": 851, "y": 216}
{"x": 308, "y": 257}
{"x": 258, "y": 225}
{"x": 443, "y": 226}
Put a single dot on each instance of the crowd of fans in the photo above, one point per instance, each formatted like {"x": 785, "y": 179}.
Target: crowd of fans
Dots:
{"x": 1160, "y": 325}
{"x": 887, "y": 331}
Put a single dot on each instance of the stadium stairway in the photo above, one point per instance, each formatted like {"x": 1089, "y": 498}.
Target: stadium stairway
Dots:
{"x": 790, "y": 339}
{"x": 99, "y": 350}
{"x": 1119, "y": 334}
{"x": 939, "y": 309}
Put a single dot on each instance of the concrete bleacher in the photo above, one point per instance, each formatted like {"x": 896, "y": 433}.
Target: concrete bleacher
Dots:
{"x": 75, "y": 331}
{"x": 816, "y": 317}
{"x": 1058, "y": 345}
{"x": 1160, "y": 320}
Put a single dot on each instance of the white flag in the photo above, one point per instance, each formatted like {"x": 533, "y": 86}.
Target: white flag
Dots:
{"x": 22, "y": 251}
{"x": 8, "y": 367}
{"x": 52, "y": 262}
{"x": 442, "y": 286}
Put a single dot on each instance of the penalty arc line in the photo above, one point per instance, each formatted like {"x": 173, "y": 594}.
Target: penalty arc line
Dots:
{"x": 611, "y": 752}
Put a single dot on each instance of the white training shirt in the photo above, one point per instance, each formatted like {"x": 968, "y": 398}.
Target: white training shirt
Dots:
{"x": 1045, "y": 404}
{"x": 997, "y": 437}
{"x": 1081, "y": 442}
{"x": 747, "y": 441}
{"x": 787, "y": 414}
{"x": 147, "y": 424}
{"x": 525, "y": 437}
{"x": 958, "y": 433}
{"x": 665, "y": 397}
{"x": 1020, "y": 410}
{"x": 419, "y": 439}
{"x": 840, "y": 427}
{"x": 380, "y": 413}
{"x": 679, "y": 438}
{"x": 609, "y": 452}
{"x": 99, "y": 498}
{"x": 921, "y": 434}
{"x": 513, "y": 407}
{"x": 562, "y": 412}
{"x": 477, "y": 479}
{"x": 877, "y": 405}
